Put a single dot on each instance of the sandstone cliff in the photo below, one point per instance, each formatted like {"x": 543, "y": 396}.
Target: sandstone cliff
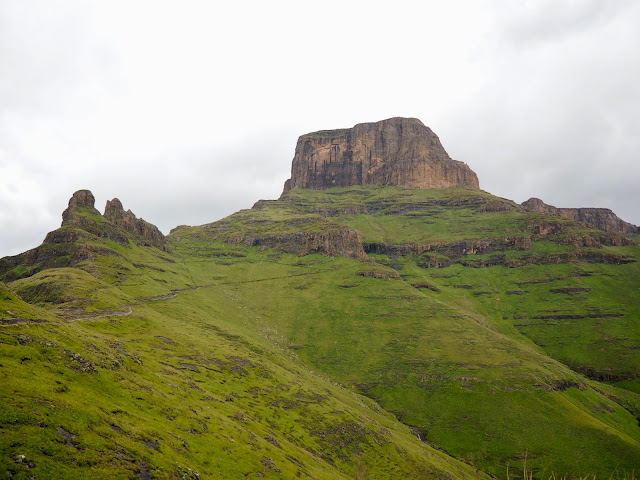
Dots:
{"x": 397, "y": 151}
{"x": 601, "y": 218}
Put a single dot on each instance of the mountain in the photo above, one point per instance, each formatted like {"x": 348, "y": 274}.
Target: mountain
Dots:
{"x": 113, "y": 368}
{"x": 357, "y": 331}
{"x": 397, "y": 151}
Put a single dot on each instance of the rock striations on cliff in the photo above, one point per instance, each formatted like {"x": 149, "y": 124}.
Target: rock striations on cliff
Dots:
{"x": 396, "y": 151}
{"x": 601, "y": 218}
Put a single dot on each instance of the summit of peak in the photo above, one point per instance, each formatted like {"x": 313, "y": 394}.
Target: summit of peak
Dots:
{"x": 82, "y": 199}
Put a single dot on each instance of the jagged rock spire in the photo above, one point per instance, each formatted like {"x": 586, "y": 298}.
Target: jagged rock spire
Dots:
{"x": 81, "y": 208}
{"x": 82, "y": 199}
{"x": 114, "y": 212}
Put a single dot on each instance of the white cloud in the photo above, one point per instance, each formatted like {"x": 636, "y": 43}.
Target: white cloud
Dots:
{"x": 190, "y": 111}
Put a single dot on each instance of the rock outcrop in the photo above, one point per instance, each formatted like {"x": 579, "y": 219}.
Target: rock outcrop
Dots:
{"x": 341, "y": 242}
{"x": 81, "y": 204}
{"x": 494, "y": 251}
{"x": 72, "y": 243}
{"x": 397, "y": 151}
{"x": 601, "y": 218}
{"x": 82, "y": 216}
{"x": 114, "y": 212}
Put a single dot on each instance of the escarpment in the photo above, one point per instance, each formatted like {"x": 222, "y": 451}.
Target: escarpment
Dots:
{"x": 339, "y": 242}
{"x": 601, "y": 218}
{"x": 398, "y": 151}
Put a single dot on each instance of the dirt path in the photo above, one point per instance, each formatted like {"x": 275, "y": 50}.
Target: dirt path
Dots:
{"x": 160, "y": 297}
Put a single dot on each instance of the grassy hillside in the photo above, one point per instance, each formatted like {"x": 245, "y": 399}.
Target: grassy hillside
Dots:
{"x": 112, "y": 371}
{"x": 439, "y": 325}
{"x": 470, "y": 325}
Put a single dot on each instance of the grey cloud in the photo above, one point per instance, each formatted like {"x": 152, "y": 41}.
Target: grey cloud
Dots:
{"x": 540, "y": 102}
{"x": 558, "y": 121}
{"x": 198, "y": 187}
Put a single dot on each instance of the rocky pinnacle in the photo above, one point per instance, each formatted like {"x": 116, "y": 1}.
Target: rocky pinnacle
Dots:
{"x": 115, "y": 213}
{"x": 80, "y": 200}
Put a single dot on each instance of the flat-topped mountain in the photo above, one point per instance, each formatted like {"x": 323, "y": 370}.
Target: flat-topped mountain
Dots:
{"x": 397, "y": 151}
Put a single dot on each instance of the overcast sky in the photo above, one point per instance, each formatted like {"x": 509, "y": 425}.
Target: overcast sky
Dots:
{"x": 189, "y": 111}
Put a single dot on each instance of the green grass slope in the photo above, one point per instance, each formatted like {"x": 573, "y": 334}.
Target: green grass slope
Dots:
{"x": 125, "y": 366}
{"x": 14, "y": 310}
{"x": 469, "y": 320}
{"x": 471, "y": 326}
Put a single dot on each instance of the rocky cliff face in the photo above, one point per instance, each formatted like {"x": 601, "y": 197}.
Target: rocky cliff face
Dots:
{"x": 81, "y": 204}
{"x": 114, "y": 212}
{"x": 342, "y": 242}
{"x": 82, "y": 214}
{"x": 397, "y": 151}
{"x": 601, "y": 218}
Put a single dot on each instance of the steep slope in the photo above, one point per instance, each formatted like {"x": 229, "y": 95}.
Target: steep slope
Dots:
{"x": 14, "y": 310}
{"x": 438, "y": 324}
{"x": 126, "y": 366}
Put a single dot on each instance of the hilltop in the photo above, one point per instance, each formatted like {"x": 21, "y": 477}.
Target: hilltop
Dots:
{"x": 354, "y": 331}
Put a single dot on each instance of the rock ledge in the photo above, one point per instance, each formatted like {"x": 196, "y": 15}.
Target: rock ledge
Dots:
{"x": 601, "y": 218}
